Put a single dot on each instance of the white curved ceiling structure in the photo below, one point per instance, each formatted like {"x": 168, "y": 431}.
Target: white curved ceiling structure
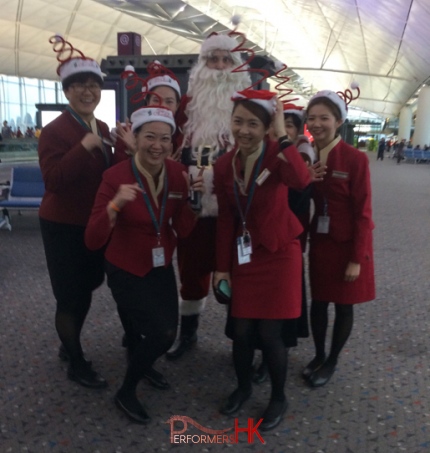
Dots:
{"x": 382, "y": 44}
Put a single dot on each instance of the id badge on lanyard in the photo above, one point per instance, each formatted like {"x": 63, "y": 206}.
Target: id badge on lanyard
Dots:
{"x": 158, "y": 259}
{"x": 323, "y": 225}
{"x": 244, "y": 251}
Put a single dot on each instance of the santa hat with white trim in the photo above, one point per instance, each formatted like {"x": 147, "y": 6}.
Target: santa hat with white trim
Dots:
{"x": 340, "y": 98}
{"x": 292, "y": 109}
{"x": 264, "y": 98}
{"x": 159, "y": 75}
{"x": 150, "y": 115}
{"x": 72, "y": 60}
{"x": 223, "y": 41}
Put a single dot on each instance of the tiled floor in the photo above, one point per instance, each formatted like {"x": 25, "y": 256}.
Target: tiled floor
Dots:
{"x": 376, "y": 402}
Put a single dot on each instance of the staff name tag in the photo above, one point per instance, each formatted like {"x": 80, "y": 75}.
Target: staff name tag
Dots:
{"x": 158, "y": 258}
{"x": 263, "y": 176}
{"x": 323, "y": 224}
{"x": 241, "y": 257}
{"x": 246, "y": 244}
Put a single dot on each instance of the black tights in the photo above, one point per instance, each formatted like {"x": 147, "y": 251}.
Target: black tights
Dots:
{"x": 142, "y": 356}
{"x": 69, "y": 326}
{"x": 344, "y": 318}
{"x": 274, "y": 352}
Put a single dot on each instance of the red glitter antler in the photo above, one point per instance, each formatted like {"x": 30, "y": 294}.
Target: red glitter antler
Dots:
{"x": 283, "y": 90}
{"x": 132, "y": 81}
{"x": 64, "y": 50}
{"x": 251, "y": 54}
{"x": 347, "y": 95}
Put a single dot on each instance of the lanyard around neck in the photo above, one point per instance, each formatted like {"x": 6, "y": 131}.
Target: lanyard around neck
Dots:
{"x": 251, "y": 190}
{"x": 85, "y": 125}
{"x": 157, "y": 223}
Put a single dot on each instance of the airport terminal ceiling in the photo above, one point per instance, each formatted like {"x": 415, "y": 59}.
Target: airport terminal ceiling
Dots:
{"x": 327, "y": 44}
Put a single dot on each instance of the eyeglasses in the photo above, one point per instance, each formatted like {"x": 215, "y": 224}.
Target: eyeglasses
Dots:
{"x": 81, "y": 87}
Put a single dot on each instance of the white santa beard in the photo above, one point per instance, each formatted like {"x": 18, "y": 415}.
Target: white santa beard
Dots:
{"x": 210, "y": 107}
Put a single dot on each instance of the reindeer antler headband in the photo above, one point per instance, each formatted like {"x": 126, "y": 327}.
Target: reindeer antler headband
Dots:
{"x": 72, "y": 61}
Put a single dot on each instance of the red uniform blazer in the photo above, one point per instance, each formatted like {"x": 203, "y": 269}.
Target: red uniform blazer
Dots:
{"x": 71, "y": 174}
{"x": 133, "y": 237}
{"x": 270, "y": 221}
{"x": 346, "y": 187}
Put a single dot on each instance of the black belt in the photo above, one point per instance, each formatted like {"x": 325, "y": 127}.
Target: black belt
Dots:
{"x": 187, "y": 157}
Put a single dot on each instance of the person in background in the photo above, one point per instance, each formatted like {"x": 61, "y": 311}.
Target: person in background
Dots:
{"x": 19, "y": 133}
{"x": 381, "y": 149}
{"x": 341, "y": 265}
{"x": 6, "y": 130}
{"x": 400, "y": 151}
{"x": 163, "y": 89}
{"x": 140, "y": 210}
{"x": 258, "y": 253}
{"x": 73, "y": 157}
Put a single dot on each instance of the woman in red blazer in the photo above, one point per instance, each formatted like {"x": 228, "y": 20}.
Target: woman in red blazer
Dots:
{"x": 140, "y": 209}
{"x": 258, "y": 253}
{"x": 341, "y": 252}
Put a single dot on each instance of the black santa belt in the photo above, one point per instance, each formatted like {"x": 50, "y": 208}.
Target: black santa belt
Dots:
{"x": 205, "y": 159}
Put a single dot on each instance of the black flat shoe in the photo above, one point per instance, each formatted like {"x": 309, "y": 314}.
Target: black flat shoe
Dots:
{"x": 312, "y": 366}
{"x": 84, "y": 375}
{"x": 137, "y": 413}
{"x": 156, "y": 379}
{"x": 273, "y": 415}
{"x": 321, "y": 376}
{"x": 261, "y": 374}
{"x": 64, "y": 355}
{"x": 234, "y": 402}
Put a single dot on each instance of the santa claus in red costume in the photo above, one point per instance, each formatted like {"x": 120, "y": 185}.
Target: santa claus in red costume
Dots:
{"x": 207, "y": 134}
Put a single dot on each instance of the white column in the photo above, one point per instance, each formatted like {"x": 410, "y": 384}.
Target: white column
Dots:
{"x": 422, "y": 120}
{"x": 405, "y": 123}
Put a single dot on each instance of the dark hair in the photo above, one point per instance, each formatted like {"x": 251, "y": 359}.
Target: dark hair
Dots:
{"x": 297, "y": 121}
{"x": 81, "y": 77}
{"x": 329, "y": 104}
{"x": 260, "y": 112}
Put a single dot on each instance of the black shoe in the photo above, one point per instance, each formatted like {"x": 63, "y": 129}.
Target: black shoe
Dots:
{"x": 321, "y": 376}
{"x": 180, "y": 346}
{"x": 273, "y": 415}
{"x": 312, "y": 366}
{"x": 133, "y": 411}
{"x": 156, "y": 379}
{"x": 64, "y": 355}
{"x": 234, "y": 401}
{"x": 261, "y": 374}
{"x": 83, "y": 374}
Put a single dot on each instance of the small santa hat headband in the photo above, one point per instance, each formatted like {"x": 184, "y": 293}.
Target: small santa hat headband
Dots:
{"x": 292, "y": 109}
{"x": 159, "y": 75}
{"x": 133, "y": 80}
{"x": 72, "y": 61}
{"x": 150, "y": 115}
{"x": 264, "y": 98}
{"x": 340, "y": 98}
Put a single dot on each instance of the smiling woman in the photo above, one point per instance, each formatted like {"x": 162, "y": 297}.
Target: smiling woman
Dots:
{"x": 258, "y": 253}
{"x": 140, "y": 210}
{"x": 73, "y": 158}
